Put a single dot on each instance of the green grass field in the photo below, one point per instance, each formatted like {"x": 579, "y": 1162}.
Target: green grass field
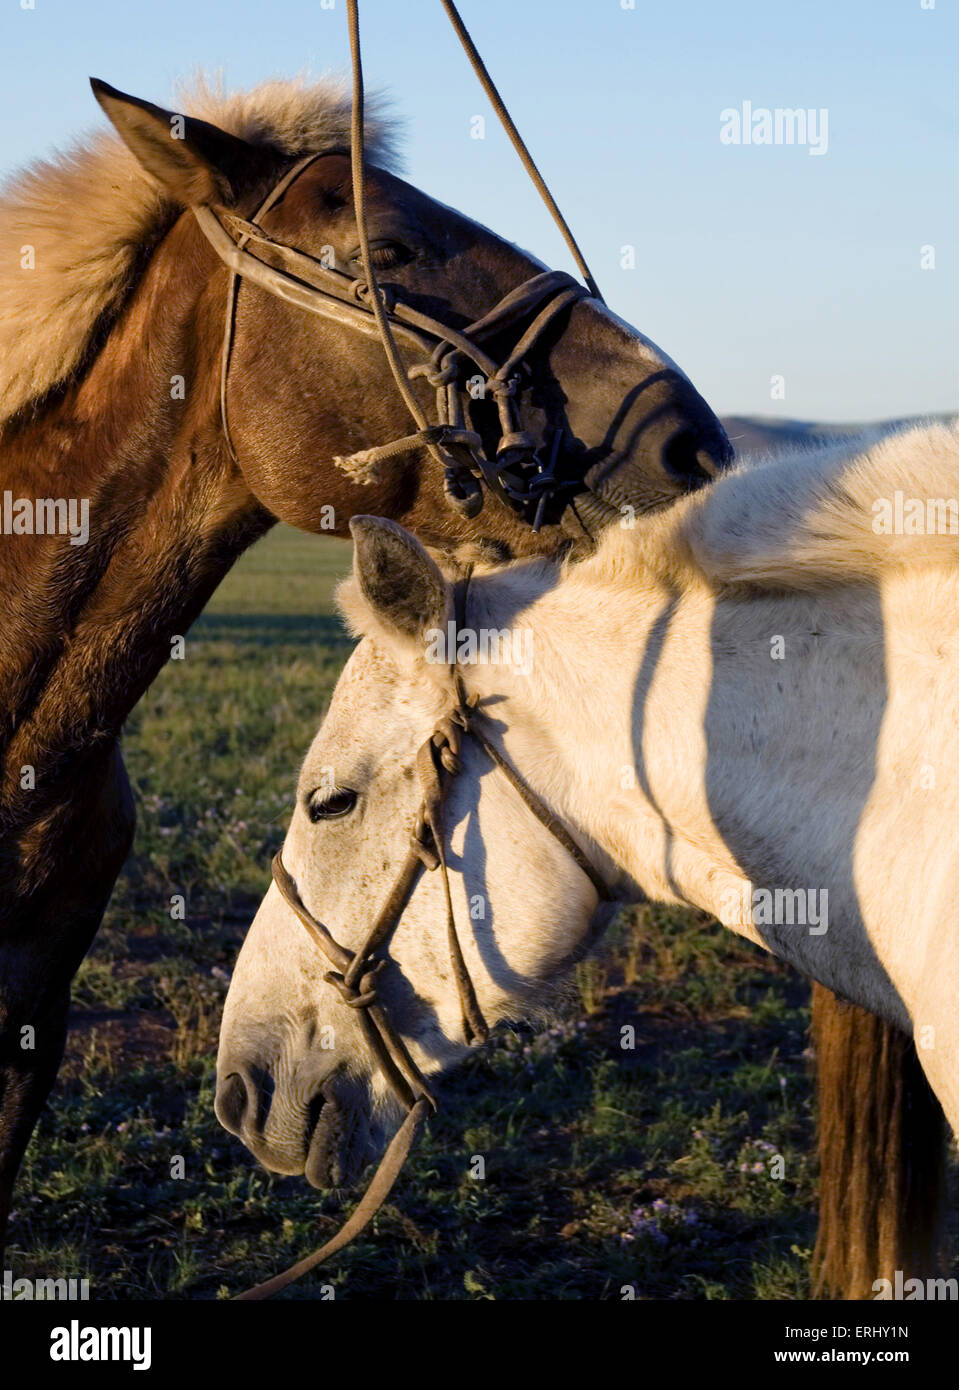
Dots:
{"x": 682, "y": 1167}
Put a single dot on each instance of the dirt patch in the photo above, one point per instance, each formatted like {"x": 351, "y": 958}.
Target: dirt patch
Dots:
{"x": 129, "y": 1039}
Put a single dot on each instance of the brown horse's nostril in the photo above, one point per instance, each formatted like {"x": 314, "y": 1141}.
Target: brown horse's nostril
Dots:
{"x": 691, "y": 459}
{"x": 231, "y": 1102}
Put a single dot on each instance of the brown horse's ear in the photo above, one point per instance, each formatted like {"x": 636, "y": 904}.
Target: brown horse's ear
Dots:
{"x": 191, "y": 159}
{"x": 397, "y": 589}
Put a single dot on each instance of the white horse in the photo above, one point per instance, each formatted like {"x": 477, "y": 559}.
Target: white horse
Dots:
{"x": 748, "y": 704}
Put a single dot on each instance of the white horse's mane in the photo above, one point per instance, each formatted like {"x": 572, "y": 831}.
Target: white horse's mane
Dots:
{"x": 796, "y": 521}
{"x": 83, "y": 216}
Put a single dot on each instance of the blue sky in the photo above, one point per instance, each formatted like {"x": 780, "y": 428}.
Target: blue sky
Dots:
{"x": 750, "y": 261}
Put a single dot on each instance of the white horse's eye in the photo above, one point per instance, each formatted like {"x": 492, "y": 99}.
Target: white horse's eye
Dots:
{"x": 330, "y": 805}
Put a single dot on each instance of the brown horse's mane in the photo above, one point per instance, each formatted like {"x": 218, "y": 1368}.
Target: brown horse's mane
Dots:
{"x": 74, "y": 228}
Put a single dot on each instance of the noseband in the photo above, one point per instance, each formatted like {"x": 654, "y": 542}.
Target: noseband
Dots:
{"x": 517, "y": 474}
{"x": 355, "y": 975}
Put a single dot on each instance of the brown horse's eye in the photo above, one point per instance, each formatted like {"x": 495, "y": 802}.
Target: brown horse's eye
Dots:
{"x": 330, "y": 805}
{"x": 384, "y": 255}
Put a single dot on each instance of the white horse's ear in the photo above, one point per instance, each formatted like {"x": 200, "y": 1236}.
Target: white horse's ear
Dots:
{"x": 397, "y": 589}
{"x": 191, "y": 159}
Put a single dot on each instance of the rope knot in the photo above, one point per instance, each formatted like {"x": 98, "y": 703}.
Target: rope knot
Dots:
{"x": 503, "y": 386}
{"x": 354, "y": 998}
{"x": 438, "y": 374}
{"x": 362, "y": 293}
{"x": 423, "y": 844}
{"x": 447, "y": 737}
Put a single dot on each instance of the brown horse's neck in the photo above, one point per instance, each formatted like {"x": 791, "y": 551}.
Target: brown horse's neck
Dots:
{"x": 88, "y": 626}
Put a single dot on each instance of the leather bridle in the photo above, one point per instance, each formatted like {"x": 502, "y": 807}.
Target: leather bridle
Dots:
{"x": 355, "y": 974}
{"x": 447, "y": 357}
{"x": 526, "y": 482}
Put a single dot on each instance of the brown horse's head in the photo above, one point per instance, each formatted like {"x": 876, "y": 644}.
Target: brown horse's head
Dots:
{"x": 618, "y": 416}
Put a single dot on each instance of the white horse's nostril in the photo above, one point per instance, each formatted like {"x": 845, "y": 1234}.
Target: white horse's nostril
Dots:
{"x": 231, "y": 1102}
{"x": 313, "y": 1112}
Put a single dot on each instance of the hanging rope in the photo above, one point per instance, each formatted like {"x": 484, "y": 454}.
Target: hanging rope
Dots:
{"x": 498, "y": 105}
{"x": 358, "y": 167}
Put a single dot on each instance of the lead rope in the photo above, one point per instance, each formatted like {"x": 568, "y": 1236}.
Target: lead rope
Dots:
{"x": 373, "y": 1198}
{"x": 519, "y": 145}
{"x": 358, "y": 169}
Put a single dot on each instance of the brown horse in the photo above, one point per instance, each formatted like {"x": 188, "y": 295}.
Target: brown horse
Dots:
{"x": 112, "y": 308}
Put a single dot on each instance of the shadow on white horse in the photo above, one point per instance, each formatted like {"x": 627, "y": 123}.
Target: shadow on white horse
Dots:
{"x": 748, "y": 704}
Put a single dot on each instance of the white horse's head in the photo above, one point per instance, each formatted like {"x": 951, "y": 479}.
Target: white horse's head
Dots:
{"x": 296, "y": 1079}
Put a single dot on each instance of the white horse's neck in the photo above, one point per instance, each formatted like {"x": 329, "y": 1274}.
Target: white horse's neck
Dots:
{"x": 737, "y": 754}
{"x": 612, "y": 720}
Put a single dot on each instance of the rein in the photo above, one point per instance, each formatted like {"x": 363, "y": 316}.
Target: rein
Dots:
{"x": 516, "y": 473}
{"x": 355, "y": 975}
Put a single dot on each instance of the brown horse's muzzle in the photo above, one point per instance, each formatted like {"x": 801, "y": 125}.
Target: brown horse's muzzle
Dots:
{"x": 637, "y": 432}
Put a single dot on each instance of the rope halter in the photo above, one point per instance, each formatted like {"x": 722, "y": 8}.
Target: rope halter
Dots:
{"x": 355, "y": 975}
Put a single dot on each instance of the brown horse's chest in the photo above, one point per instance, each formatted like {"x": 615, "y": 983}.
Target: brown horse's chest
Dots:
{"x": 59, "y": 871}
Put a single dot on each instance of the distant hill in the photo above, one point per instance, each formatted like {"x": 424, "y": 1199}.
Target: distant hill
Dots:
{"x": 752, "y": 434}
